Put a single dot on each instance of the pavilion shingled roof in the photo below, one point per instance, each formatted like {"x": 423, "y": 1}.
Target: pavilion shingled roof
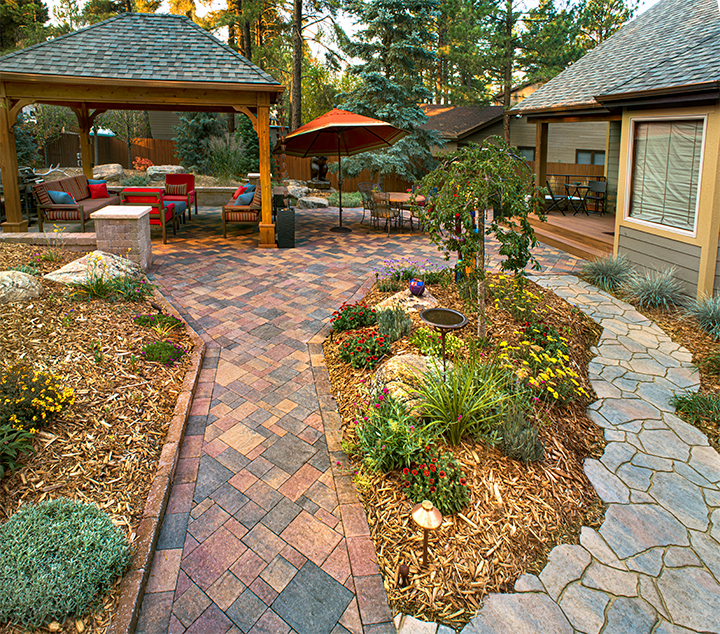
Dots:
{"x": 123, "y": 46}
{"x": 672, "y": 44}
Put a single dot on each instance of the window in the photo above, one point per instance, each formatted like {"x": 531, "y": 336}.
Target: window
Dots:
{"x": 590, "y": 157}
{"x": 528, "y": 153}
{"x": 666, "y": 172}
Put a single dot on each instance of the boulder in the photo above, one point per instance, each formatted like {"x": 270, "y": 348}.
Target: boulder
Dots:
{"x": 408, "y": 302}
{"x": 312, "y": 202}
{"x": 95, "y": 264}
{"x": 18, "y": 287}
{"x": 401, "y": 374}
{"x": 109, "y": 172}
{"x": 157, "y": 172}
{"x": 298, "y": 191}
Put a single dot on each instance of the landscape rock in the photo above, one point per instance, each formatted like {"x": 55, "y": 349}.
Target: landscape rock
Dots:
{"x": 110, "y": 172}
{"x": 18, "y": 287}
{"x": 157, "y": 172}
{"x": 400, "y": 374}
{"x": 298, "y": 191}
{"x": 408, "y": 302}
{"x": 95, "y": 264}
{"x": 312, "y": 202}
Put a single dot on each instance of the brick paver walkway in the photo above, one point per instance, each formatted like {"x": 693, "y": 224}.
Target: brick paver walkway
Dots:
{"x": 253, "y": 541}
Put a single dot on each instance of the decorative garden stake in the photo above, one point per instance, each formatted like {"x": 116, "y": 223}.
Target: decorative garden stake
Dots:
{"x": 427, "y": 517}
{"x": 417, "y": 287}
{"x": 443, "y": 320}
{"x": 404, "y": 573}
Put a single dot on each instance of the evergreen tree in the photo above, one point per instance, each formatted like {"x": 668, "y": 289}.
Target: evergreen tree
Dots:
{"x": 25, "y": 146}
{"x": 395, "y": 45}
{"x": 192, "y": 140}
{"x": 98, "y": 10}
{"x": 599, "y": 19}
{"x": 22, "y": 23}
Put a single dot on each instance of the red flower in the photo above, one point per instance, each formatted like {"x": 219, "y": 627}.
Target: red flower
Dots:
{"x": 463, "y": 481}
{"x": 442, "y": 474}
{"x": 406, "y": 471}
{"x": 406, "y": 483}
{"x": 426, "y": 473}
{"x": 432, "y": 481}
{"x": 414, "y": 472}
{"x": 432, "y": 489}
{"x": 432, "y": 468}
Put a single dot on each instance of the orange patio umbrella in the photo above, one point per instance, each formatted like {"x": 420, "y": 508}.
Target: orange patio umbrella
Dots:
{"x": 343, "y": 133}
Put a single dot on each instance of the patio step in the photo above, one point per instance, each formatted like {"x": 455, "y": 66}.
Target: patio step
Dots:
{"x": 586, "y": 247}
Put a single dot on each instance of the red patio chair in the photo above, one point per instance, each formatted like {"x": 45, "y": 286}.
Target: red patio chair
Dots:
{"x": 174, "y": 190}
{"x": 161, "y": 214}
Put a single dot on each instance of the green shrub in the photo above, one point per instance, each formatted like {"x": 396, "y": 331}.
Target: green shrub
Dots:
{"x": 467, "y": 398}
{"x": 438, "y": 479}
{"x": 394, "y": 323}
{"x": 14, "y": 443}
{"x": 364, "y": 351}
{"x": 388, "y": 436}
{"x": 352, "y": 316}
{"x": 136, "y": 180}
{"x": 163, "y": 351}
{"x": 711, "y": 363}
{"x": 655, "y": 289}
{"x": 58, "y": 559}
{"x": 225, "y": 154}
{"x": 166, "y": 321}
{"x": 697, "y": 407}
{"x": 429, "y": 342}
{"x": 349, "y": 199}
{"x": 518, "y": 438}
{"x": 706, "y": 311}
{"x": 132, "y": 288}
{"x": 26, "y": 268}
{"x": 30, "y": 399}
{"x": 513, "y": 295}
{"x": 609, "y": 273}
{"x": 389, "y": 285}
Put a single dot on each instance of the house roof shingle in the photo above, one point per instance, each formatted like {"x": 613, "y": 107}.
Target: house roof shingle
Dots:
{"x": 138, "y": 46}
{"x": 674, "y": 43}
{"x": 456, "y": 122}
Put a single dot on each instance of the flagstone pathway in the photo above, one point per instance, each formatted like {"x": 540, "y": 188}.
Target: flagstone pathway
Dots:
{"x": 253, "y": 540}
{"x": 653, "y": 567}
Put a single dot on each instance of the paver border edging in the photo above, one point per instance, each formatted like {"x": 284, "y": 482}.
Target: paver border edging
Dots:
{"x": 371, "y": 597}
{"x": 132, "y": 586}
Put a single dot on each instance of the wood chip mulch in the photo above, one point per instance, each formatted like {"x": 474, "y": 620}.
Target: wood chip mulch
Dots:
{"x": 517, "y": 513}
{"x": 105, "y": 447}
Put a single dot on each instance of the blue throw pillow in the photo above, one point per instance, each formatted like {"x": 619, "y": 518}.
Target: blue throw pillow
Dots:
{"x": 249, "y": 188}
{"x": 244, "y": 199}
{"x": 96, "y": 182}
{"x": 61, "y": 198}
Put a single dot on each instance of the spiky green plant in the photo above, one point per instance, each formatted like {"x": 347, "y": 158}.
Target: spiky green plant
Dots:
{"x": 608, "y": 273}
{"x": 394, "y": 323}
{"x": 706, "y": 311}
{"x": 655, "y": 289}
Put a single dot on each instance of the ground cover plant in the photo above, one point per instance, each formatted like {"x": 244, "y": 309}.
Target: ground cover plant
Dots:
{"x": 103, "y": 445}
{"x": 501, "y": 458}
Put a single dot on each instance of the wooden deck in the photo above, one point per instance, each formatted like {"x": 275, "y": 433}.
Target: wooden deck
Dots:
{"x": 588, "y": 237}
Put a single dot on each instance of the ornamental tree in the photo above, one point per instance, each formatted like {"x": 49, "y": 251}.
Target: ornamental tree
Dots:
{"x": 483, "y": 190}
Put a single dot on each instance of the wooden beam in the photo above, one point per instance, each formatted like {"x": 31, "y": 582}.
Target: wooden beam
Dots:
{"x": 9, "y": 167}
{"x": 267, "y": 228}
{"x": 541, "y": 148}
{"x": 17, "y": 107}
{"x": 246, "y": 111}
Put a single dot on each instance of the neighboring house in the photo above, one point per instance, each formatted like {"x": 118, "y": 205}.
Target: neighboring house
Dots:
{"x": 657, "y": 83}
{"x": 462, "y": 125}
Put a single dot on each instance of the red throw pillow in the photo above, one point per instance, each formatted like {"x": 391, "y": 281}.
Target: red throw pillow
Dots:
{"x": 98, "y": 191}
{"x": 239, "y": 191}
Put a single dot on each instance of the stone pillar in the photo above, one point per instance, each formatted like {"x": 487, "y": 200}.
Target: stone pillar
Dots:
{"x": 124, "y": 231}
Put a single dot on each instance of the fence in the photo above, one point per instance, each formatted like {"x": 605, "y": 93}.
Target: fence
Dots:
{"x": 65, "y": 150}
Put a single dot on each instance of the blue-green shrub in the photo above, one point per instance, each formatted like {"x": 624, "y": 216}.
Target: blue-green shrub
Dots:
{"x": 706, "y": 311}
{"x": 608, "y": 273}
{"x": 655, "y": 289}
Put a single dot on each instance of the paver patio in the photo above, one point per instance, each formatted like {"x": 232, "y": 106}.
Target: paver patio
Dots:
{"x": 253, "y": 540}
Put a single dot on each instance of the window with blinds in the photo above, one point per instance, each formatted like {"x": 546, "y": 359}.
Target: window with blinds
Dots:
{"x": 666, "y": 172}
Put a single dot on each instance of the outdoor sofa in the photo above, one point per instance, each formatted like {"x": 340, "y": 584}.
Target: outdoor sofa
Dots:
{"x": 248, "y": 213}
{"x": 84, "y": 204}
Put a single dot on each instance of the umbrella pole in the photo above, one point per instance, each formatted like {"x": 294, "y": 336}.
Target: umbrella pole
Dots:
{"x": 340, "y": 228}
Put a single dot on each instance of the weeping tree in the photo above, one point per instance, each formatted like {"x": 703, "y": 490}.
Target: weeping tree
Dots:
{"x": 483, "y": 190}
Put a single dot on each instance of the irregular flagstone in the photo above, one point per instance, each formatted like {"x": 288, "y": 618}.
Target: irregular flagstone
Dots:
{"x": 629, "y": 530}
{"x": 640, "y": 497}
{"x": 647, "y": 366}
{"x": 584, "y": 608}
{"x": 610, "y": 580}
{"x": 649, "y": 562}
{"x": 664, "y": 627}
{"x": 712, "y": 497}
{"x": 621, "y": 411}
{"x": 652, "y": 462}
{"x": 664, "y": 444}
{"x": 617, "y": 453}
{"x": 706, "y": 462}
{"x": 529, "y": 583}
{"x": 692, "y": 597}
{"x": 682, "y": 498}
{"x": 592, "y": 542}
{"x": 708, "y": 549}
{"x": 566, "y": 563}
{"x": 649, "y": 592}
{"x": 630, "y": 615}
{"x": 687, "y": 433}
{"x": 656, "y": 394}
{"x": 690, "y": 474}
{"x": 608, "y": 486}
{"x": 677, "y": 557}
{"x": 684, "y": 377}
{"x": 526, "y": 613}
{"x": 635, "y": 477}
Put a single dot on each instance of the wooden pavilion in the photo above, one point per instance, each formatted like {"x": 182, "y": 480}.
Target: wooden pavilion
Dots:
{"x": 133, "y": 62}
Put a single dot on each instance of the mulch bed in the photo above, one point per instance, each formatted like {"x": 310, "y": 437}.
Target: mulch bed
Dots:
{"x": 105, "y": 447}
{"x": 517, "y": 513}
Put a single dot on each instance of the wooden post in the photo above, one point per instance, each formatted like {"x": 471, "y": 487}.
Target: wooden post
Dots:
{"x": 267, "y": 228}
{"x": 8, "y": 163}
{"x": 541, "y": 147}
{"x": 85, "y": 124}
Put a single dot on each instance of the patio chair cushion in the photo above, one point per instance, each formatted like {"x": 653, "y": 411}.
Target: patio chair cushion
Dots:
{"x": 66, "y": 214}
{"x": 76, "y": 186}
{"x": 243, "y": 199}
{"x": 169, "y": 213}
{"x": 98, "y": 190}
{"x": 179, "y": 189}
{"x": 242, "y": 216}
{"x": 180, "y": 206}
{"x": 61, "y": 198}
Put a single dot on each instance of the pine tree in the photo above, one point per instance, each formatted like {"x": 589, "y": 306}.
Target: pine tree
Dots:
{"x": 599, "y": 19}
{"x": 395, "y": 45}
{"x": 192, "y": 139}
{"x": 22, "y": 23}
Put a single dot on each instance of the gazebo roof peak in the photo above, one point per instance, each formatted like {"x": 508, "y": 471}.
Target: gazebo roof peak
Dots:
{"x": 138, "y": 46}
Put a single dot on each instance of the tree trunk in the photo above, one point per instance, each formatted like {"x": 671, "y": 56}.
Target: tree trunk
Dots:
{"x": 296, "y": 120}
{"x": 509, "y": 59}
{"x": 439, "y": 69}
{"x": 247, "y": 38}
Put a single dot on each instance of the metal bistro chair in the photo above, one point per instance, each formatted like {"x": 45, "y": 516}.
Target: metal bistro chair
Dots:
{"x": 596, "y": 195}
{"x": 382, "y": 209}
{"x": 555, "y": 201}
{"x": 366, "y": 191}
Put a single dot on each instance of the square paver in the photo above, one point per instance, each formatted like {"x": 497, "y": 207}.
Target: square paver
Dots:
{"x": 233, "y": 460}
{"x": 155, "y": 613}
{"x": 212, "y": 621}
{"x": 246, "y": 610}
{"x": 226, "y": 590}
{"x": 191, "y": 605}
{"x": 281, "y": 515}
{"x": 250, "y": 514}
{"x": 211, "y": 475}
{"x": 242, "y": 439}
{"x": 279, "y": 573}
{"x": 313, "y": 602}
{"x": 270, "y": 623}
{"x": 164, "y": 571}
{"x": 264, "y": 542}
{"x": 229, "y": 498}
{"x": 213, "y": 557}
{"x": 208, "y": 523}
{"x": 289, "y": 453}
{"x": 263, "y": 494}
{"x": 248, "y": 567}
{"x": 311, "y": 537}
